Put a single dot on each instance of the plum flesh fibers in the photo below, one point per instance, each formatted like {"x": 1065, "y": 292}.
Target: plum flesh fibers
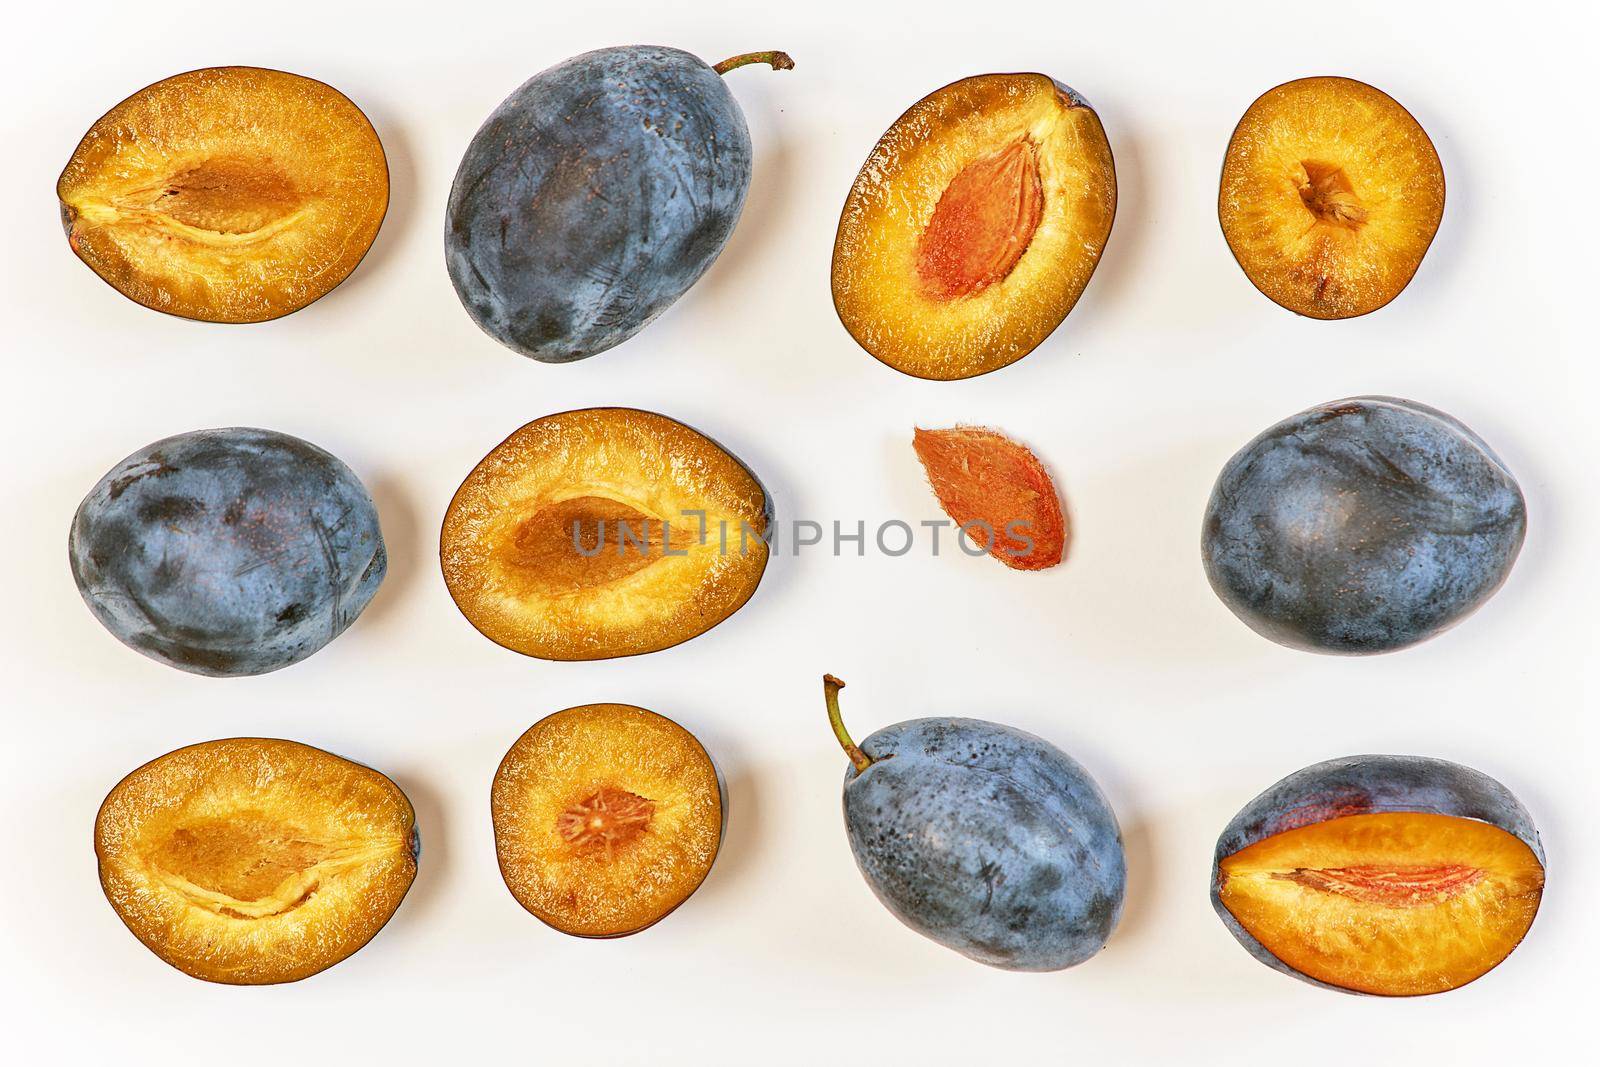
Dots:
{"x": 997, "y": 492}
{"x": 606, "y": 818}
{"x": 253, "y": 861}
{"x": 228, "y": 552}
{"x": 1361, "y": 526}
{"x": 1389, "y": 875}
{"x": 985, "y": 839}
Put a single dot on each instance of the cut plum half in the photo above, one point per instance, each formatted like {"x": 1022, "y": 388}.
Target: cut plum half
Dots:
{"x": 232, "y": 194}
{"x": 974, "y": 226}
{"x": 997, "y": 492}
{"x": 606, "y": 818}
{"x": 1393, "y": 876}
{"x": 1331, "y": 194}
{"x": 604, "y": 532}
{"x": 253, "y": 861}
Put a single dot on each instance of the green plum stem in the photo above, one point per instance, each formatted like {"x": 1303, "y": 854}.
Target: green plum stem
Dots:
{"x": 830, "y": 692}
{"x": 776, "y": 60}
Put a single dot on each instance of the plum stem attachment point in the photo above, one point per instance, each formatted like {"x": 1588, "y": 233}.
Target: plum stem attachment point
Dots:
{"x": 776, "y": 60}
{"x": 830, "y": 693}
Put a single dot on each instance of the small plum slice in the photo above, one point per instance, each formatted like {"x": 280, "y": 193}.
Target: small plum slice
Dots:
{"x": 252, "y": 861}
{"x": 606, "y": 818}
{"x": 604, "y": 532}
{"x": 232, "y": 194}
{"x": 998, "y": 492}
{"x": 1388, "y": 875}
{"x": 974, "y": 226}
{"x": 1331, "y": 193}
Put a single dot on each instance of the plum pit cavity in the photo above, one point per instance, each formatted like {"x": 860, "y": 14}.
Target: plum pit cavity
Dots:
{"x": 1329, "y": 195}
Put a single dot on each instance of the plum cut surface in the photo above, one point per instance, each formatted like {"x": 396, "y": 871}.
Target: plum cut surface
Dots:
{"x": 606, "y": 818}
{"x": 604, "y": 532}
{"x": 1387, "y": 875}
{"x": 998, "y": 492}
{"x": 974, "y": 226}
{"x": 232, "y": 194}
{"x": 252, "y": 861}
{"x": 1331, "y": 194}
{"x": 1361, "y": 526}
{"x": 228, "y": 552}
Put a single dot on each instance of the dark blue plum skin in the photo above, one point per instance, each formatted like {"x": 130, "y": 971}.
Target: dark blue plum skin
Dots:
{"x": 227, "y": 552}
{"x": 1361, "y": 526}
{"x": 594, "y": 197}
{"x": 1363, "y": 785}
{"x": 987, "y": 840}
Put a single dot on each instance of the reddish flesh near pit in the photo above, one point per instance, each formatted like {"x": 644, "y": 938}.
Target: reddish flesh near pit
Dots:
{"x": 982, "y": 224}
{"x": 1393, "y": 887}
{"x": 983, "y": 477}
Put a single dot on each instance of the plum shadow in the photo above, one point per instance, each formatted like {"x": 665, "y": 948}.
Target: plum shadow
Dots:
{"x": 405, "y": 541}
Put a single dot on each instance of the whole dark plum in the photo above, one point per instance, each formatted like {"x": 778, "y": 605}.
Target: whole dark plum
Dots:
{"x": 985, "y": 839}
{"x": 595, "y": 196}
{"x": 1361, "y": 526}
{"x": 227, "y": 552}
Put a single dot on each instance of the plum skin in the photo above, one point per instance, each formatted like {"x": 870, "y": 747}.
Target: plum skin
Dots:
{"x": 987, "y": 840}
{"x": 1363, "y": 785}
{"x": 595, "y": 196}
{"x": 1432, "y": 522}
{"x": 227, "y": 552}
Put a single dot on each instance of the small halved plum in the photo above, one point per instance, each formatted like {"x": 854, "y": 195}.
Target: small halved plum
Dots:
{"x": 252, "y": 861}
{"x": 1388, "y": 875}
{"x": 232, "y": 194}
{"x": 606, "y": 818}
{"x": 974, "y": 226}
{"x": 997, "y": 492}
{"x": 604, "y": 532}
{"x": 1331, "y": 194}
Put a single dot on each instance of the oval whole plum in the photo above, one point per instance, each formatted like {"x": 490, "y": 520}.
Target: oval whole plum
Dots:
{"x": 1361, "y": 526}
{"x": 595, "y": 196}
{"x": 227, "y": 552}
{"x": 983, "y": 838}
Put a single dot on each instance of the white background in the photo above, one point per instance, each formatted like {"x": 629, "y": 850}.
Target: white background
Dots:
{"x": 1122, "y": 656}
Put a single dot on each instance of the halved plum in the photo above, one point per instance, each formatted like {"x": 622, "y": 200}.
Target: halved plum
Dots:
{"x": 606, "y": 818}
{"x": 604, "y": 532}
{"x": 1388, "y": 875}
{"x": 974, "y": 226}
{"x": 252, "y": 861}
{"x": 232, "y": 194}
{"x": 1331, "y": 193}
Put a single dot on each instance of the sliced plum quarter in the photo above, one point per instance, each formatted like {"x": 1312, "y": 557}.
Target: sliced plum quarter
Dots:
{"x": 1388, "y": 875}
{"x": 974, "y": 226}
{"x": 252, "y": 861}
{"x": 604, "y": 532}
{"x": 606, "y": 818}
{"x": 232, "y": 194}
{"x": 1331, "y": 193}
